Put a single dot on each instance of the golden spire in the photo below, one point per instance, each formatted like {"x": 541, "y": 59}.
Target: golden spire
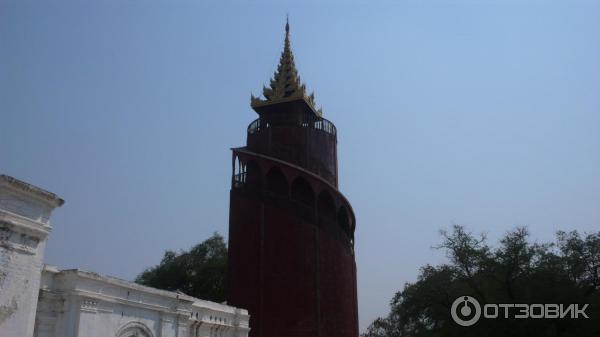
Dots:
{"x": 285, "y": 84}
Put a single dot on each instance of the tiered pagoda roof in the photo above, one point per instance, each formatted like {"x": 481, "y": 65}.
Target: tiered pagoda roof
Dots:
{"x": 285, "y": 86}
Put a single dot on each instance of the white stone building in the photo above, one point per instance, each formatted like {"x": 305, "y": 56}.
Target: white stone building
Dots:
{"x": 43, "y": 301}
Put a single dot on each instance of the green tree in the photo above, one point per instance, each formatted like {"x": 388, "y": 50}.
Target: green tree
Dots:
{"x": 200, "y": 272}
{"x": 516, "y": 271}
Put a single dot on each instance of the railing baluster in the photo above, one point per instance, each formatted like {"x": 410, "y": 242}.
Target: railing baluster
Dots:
{"x": 313, "y": 122}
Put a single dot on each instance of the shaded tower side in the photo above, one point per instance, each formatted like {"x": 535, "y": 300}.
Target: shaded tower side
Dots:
{"x": 291, "y": 250}
{"x": 291, "y": 231}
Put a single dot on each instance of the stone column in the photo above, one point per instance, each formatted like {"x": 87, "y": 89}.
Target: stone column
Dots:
{"x": 24, "y": 227}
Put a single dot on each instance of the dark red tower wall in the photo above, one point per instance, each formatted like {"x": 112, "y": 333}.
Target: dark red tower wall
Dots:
{"x": 295, "y": 277}
{"x": 291, "y": 231}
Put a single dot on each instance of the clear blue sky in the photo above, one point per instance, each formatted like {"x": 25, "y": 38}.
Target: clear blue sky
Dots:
{"x": 482, "y": 113}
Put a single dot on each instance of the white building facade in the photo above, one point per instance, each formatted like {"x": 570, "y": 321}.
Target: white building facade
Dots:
{"x": 43, "y": 301}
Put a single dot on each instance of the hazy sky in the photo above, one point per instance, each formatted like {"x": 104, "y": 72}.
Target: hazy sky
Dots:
{"x": 482, "y": 113}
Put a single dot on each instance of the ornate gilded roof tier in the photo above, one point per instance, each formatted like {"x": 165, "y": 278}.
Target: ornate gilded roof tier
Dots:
{"x": 285, "y": 85}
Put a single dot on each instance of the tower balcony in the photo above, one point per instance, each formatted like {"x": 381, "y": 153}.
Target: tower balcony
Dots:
{"x": 298, "y": 191}
{"x": 307, "y": 121}
{"x": 305, "y": 140}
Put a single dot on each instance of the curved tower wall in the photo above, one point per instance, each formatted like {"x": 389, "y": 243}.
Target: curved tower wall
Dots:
{"x": 291, "y": 261}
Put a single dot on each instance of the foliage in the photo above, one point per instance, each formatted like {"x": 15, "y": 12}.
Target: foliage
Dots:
{"x": 517, "y": 271}
{"x": 200, "y": 272}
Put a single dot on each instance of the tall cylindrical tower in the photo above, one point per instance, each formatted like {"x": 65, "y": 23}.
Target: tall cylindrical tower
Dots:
{"x": 291, "y": 231}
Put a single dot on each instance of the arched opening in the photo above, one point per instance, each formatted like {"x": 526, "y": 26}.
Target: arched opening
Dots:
{"x": 134, "y": 329}
{"x": 302, "y": 192}
{"x": 236, "y": 176}
{"x": 237, "y": 165}
{"x": 276, "y": 182}
{"x": 343, "y": 221}
{"x": 253, "y": 175}
{"x": 326, "y": 207}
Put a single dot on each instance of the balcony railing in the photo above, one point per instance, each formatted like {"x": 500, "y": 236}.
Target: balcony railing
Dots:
{"x": 239, "y": 180}
{"x": 312, "y": 122}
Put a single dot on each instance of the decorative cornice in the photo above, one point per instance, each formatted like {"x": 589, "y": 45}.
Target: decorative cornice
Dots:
{"x": 113, "y": 281}
{"x": 22, "y": 186}
{"x": 25, "y": 227}
{"x": 89, "y": 305}
{"x": 185, "y": 303}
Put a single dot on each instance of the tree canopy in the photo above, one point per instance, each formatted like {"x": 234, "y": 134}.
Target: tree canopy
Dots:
{"x": 200, "y": 272}
{"x": 516, "y": 271}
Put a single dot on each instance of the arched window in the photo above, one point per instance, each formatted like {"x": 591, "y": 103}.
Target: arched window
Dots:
{"x": 253, "y": 175}
{"x": 343, "y": 221}
{"x": 134, "y": 329}
{"x": 326, "y": 207}
{"x": 302, "y": 192}
{"x": 276, "y": 182}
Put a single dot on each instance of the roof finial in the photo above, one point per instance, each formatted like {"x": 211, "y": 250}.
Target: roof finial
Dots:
{"x": 285, "y": 83}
